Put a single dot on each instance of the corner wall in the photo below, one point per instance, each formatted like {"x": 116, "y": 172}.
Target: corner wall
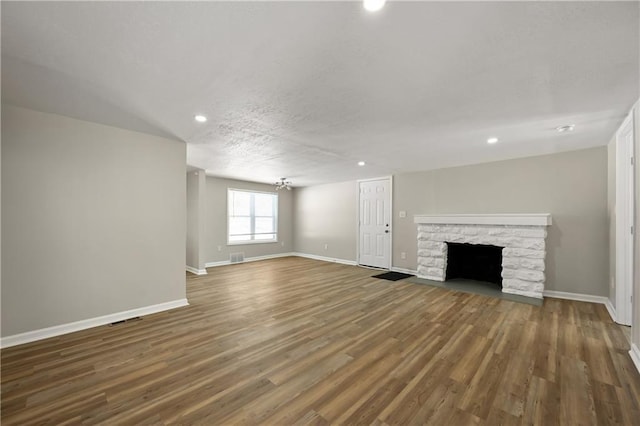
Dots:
{"x": 196, "y": 190}
{"x": 326, "y": 216}
{"x": 214, "y": 245}
{"x": 93, "y": 220}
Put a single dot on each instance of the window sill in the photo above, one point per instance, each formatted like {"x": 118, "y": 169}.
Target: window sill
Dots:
{"x": 244, "y": 243}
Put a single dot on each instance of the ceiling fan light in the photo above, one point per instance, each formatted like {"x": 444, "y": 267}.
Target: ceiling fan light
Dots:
{"x": 565, "y": 128}
{"x": 282, "y": 184}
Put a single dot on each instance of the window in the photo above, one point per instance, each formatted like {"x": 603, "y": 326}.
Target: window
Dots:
{"x": 253, "y": 217}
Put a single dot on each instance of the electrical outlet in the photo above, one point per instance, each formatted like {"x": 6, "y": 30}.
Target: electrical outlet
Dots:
{"x": 219, "y": 248}
{"x": 403, "y": 255}
{"x": 282, "y": 243}
{"x": 326, "y": 246}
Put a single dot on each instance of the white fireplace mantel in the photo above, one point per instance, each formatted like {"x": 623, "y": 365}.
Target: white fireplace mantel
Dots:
{"x": 531, "y": 219}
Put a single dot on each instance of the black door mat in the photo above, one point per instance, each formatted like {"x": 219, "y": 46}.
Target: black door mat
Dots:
{"x": 392, "y": 276}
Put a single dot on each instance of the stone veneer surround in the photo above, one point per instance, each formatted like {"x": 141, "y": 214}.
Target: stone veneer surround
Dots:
{"x": 522, "y": 236}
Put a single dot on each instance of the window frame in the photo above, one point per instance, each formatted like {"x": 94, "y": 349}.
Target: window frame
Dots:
{"x": 252, "y": 217}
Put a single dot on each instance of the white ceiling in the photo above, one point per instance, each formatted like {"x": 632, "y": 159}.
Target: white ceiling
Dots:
{"x": 306, "y": 89}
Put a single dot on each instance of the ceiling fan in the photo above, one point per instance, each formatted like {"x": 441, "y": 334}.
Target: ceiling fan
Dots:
{"x": 282, "y": 184}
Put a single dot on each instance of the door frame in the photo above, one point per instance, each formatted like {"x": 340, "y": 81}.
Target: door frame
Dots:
{"x": 625, "y": 226}
{"x": 390, "y": 179}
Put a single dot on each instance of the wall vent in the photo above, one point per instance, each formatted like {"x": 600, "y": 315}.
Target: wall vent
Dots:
{"x": 236, "y": 257}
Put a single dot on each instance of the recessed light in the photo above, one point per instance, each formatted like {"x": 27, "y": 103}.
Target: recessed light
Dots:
{"x": 374, "y": 5}
{"x": 492, "y": 140}
{"x": 200, "y": 118}
{"x": 361, "y": 163}
{"x": 566, "y": 128}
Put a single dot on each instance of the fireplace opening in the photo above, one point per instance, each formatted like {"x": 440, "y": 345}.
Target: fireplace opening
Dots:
{"x": 475, "y": 262}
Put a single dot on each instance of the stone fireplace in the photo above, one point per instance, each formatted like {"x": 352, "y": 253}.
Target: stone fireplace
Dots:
{"x": 520, "y": 236}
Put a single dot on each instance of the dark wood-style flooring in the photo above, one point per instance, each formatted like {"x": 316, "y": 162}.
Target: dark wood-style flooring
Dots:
{"x": 298, "y": 341}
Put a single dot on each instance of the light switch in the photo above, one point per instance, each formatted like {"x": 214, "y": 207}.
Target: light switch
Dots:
{"x": 403, "y": 213}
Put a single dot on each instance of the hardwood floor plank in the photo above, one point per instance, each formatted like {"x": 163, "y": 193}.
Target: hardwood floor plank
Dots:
{"x": 542, "y": 404}
{"x": 330, "y": 387}
{"x": 214, "y": 407}
{"x": 576, "y": 393}
{"x": 467, "y": 366}
{"x": 418, "y": 400}
{"x": 299, "y": 341}
{"x": 442, "y": 409}
{"x": 608, "y": 410}
{"x": 311, "y": 419}
{"x": 600, "y": 362}
{"x": 367, "y": 411}
{"x": 512, "y": 391}
{"x": 546, "y": 353}
{"x": 499, "y": 417}
{"x": 479, "y": 395}
{"x": 356, "y": 391}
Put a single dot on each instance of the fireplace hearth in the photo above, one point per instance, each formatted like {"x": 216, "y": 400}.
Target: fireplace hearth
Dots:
{"x": 519, "y": 237}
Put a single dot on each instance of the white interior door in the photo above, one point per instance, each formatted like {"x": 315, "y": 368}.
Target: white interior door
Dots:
{"x": 625, "y": 196}
{"x": 374, "y": 248}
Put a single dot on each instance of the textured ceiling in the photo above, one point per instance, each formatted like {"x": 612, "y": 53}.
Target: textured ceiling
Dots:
{"x": 306, "y": 89}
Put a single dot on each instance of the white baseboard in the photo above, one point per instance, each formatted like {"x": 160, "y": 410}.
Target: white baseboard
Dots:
{"x": 269, "y": 256}
{"x": 578, "y": 297}
{"x": 219, "y": 263}
{"x": 305, "y": 255}
{"x": 326, "y": 259}
{"x": 635, "y": 356}
{"x": 403, "y": 270}
{"x": 611, "y": 310}
{"x": 249, "y": 259}
{"x": 196, "y": 271}
{"x": 45, "y": 333}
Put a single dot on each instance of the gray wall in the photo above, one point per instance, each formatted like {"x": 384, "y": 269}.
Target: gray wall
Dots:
{"x": 93, "y": 220}
{"x": 196, "y": 192}
{"x": 571, "y": 186}
{"x": 215, "y": 223}
{"x": 327, "y": 214}
{"x": 193, "y": 231}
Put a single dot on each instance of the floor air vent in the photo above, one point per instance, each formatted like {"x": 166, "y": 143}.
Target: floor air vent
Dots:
{"x": 125, "y": 320}
{"x": 236, "y": 257}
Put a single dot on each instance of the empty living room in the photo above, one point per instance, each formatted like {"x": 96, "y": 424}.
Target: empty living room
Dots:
{"x": 367, "y": 212}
